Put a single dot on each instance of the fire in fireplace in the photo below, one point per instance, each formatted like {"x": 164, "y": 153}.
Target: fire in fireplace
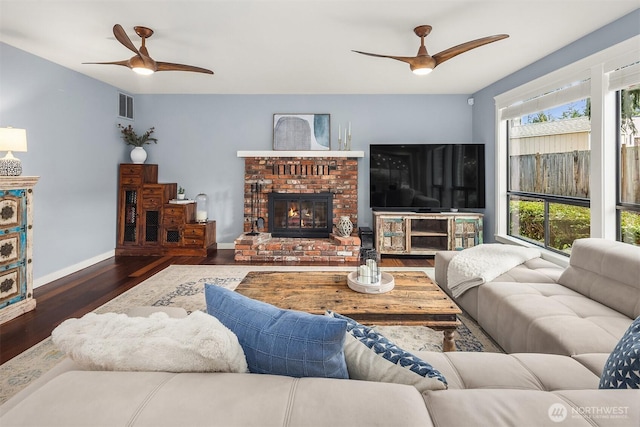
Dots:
{"x": 300, "y": 214}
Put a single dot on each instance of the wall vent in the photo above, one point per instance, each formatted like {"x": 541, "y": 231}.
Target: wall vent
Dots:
{"x": 125, "y": 106}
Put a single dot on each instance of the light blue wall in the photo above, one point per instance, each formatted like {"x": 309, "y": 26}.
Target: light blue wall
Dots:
{"x": 484, "y": 107}
{"x": 73, "y": 147}
{"x": 199, "y": 136}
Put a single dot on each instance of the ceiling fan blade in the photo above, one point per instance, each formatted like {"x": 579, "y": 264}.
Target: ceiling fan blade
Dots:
{"x": 447, "y": 54}
{"x": 169, "y": 66}
{"x": 124, "y": 63}
{"x": 407, "y": 59}
{"x": 123, "y": 38}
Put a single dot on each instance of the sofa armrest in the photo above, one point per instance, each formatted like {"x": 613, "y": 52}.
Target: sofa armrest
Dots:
{"x": 442, "y": 260}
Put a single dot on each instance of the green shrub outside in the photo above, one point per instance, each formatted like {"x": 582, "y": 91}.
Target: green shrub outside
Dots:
{"x": 630, "y": 224}
{"x": 566, "y": 223}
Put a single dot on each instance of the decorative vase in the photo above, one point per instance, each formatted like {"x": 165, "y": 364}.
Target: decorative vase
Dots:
{"x": 138, "y": 155}
{"x": 344, "y": 227}
{"x": 201, "y": 207}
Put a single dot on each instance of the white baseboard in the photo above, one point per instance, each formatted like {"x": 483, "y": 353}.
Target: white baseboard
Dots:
{"x": 72, "y": 269}
{"x": 89, "y": 262}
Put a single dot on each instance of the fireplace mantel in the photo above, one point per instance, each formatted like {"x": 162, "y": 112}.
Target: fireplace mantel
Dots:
{"x": 324, "y": 153}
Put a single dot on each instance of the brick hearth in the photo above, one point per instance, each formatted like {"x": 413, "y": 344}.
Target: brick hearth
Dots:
{"x": 265, "y": 248}
{"x": 335, "y": 174}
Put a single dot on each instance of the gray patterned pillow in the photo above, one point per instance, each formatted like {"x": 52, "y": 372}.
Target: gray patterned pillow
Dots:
{"x": 622, "y": 369}
{"x": 372, "y": 357}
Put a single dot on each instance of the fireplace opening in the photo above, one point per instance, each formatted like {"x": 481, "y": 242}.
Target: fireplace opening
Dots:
{"x": 300, "y": 214}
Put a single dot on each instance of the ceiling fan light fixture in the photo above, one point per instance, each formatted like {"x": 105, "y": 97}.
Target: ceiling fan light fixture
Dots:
{"x": 142, "y": 71}
{"x": 421, "y": 71}
{"x": 139, "y": 67}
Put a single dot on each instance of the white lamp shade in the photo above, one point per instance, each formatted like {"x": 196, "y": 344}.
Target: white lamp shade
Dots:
{"x": 12, "y": 139}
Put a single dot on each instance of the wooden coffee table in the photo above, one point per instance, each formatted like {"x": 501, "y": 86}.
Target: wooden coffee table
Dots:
{"x": 414, "y": 301}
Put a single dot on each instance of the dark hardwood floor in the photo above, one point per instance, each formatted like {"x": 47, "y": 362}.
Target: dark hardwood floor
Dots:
{"x": 84, "y": 291}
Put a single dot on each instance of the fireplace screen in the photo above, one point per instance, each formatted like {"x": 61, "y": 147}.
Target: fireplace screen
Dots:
{"x": 300, "y": 215}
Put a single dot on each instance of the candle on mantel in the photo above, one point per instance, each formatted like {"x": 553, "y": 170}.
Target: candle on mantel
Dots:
{"x": 349, "y": 128}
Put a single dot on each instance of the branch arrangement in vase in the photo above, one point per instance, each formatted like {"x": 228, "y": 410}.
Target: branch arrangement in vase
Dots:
{"x": 130, "y": 137}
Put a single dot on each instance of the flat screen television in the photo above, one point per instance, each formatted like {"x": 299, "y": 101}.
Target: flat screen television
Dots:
{"x": 426, "y": 177}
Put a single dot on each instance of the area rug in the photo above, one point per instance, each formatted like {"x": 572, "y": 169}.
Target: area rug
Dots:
{"x": 183, "y": 286}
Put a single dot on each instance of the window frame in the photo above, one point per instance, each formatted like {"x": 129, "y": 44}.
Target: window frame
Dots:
{"x": 620, "y": 205}
{"x": 604, "y": 212}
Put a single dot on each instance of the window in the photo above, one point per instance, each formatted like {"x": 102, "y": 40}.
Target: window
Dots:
{"x": 628, "y": 203}
{"x": 598, "y": 191}
{"x": 548, "y": 175}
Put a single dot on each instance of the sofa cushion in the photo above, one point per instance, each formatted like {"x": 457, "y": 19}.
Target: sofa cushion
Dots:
{"x": 605, "y": 271}
{"x": 528, "y": 371}
{"x": 89, "y": 398}
{"x": 592, "y": 361}
{"x": 110, "y": 341}
{"x": 622, "y": 369}
{"x": 281, "y": 342}
{"x": 547, "y": 318}
{"x": 536, "y": 270}
{"x": 372, "y": 357}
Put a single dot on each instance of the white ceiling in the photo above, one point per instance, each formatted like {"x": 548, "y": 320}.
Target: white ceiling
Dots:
{"x": 301, "y": 46}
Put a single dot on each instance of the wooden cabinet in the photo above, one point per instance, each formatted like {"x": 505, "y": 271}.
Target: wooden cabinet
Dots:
{"x": 148, "y": 224}
{"x": 16, "y": 236}
{"x": 140, "y": 202}
{"x": 404, "y": 233}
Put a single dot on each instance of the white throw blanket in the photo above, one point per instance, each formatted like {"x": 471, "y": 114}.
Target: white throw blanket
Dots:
{"x": 483, "y": 263}
{"x": 117, "y": 342}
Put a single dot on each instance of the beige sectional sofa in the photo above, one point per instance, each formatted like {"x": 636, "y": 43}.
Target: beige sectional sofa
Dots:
{"x": 484, "y": 389}
{"x": 540, "y": 307}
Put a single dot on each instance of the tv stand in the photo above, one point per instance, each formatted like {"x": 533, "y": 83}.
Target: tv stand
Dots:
{"x": 415, "y": 233}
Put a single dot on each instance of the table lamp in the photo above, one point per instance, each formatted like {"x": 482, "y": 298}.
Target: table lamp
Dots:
{"x": 12, "y": 140}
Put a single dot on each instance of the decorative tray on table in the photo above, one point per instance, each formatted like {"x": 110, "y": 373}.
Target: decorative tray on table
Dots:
{"x": 385, "y": 284}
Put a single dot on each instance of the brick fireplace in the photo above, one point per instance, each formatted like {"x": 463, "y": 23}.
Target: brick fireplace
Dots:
{"x": 299, "y": 173}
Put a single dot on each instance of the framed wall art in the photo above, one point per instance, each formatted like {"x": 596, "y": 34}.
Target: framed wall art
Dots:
{"x": 301, "y": 132}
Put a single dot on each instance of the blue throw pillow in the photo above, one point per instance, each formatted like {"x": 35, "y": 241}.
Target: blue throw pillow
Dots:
{"x": 622, "y": 369}
{"x": 383, "y": 347}
{"x": 281, "y": 342}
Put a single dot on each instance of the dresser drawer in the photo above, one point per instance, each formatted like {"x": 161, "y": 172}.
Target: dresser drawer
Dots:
{"x": 130, "y": 180}
{"x": 10, "y": 248}
{"x": 11, "y": 286}
{"x": 131, "y": 174}
{"x": 178, "y": 214}
{"x": 194, "y": 235}
{"x": 10, "y": 210}
{"x": 152, "y": 196}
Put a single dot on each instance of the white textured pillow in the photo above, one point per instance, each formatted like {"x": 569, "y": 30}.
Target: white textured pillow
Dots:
{"x": 110, "y": 341}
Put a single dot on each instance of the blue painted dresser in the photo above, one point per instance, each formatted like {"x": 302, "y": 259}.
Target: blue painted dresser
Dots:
{"x": 16, "y": 236}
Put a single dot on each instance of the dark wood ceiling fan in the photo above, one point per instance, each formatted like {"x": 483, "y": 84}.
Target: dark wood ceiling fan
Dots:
{"x": 142, "y": 63}
{"x": 423, "y": 63}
